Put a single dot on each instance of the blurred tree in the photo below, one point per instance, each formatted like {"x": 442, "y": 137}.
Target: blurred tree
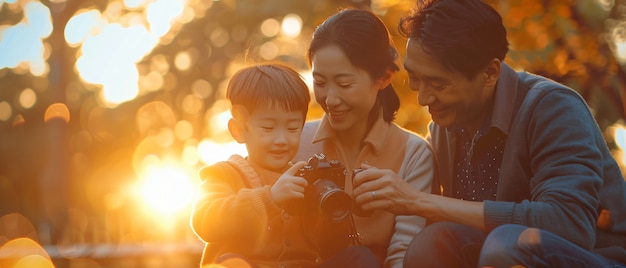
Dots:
{"x": 567, "y": 41}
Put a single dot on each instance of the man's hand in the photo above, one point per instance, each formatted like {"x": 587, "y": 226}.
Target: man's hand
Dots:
{"x": 382, "y": 189}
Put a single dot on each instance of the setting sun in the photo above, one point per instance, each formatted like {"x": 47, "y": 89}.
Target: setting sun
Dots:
{"x": 165, "y": 190}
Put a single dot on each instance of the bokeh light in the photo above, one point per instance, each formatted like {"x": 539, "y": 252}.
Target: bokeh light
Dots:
{"x": 292, "y": 25}
{"x": 619, "y": 135}
{"x": 270, "y": 27}
{"x": 24, "y": 253}
{"x": 27, "y": 98}
{"x": 5, "y": 111}
{"x": 183, "y": 61}
{"x": 269, "y": 50}
{"x": 59, "y": 111}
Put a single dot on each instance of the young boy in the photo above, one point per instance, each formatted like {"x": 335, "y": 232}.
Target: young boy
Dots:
{"x": 239, "y": 210}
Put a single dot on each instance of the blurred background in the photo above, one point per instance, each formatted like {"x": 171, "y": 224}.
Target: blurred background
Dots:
{"x": 108, "y": 108}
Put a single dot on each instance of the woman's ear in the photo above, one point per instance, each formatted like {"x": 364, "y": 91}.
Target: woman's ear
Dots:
{"x": 236, "y": 130}
{"x": 492, "y": 72}
{"x": 385, "y": 80}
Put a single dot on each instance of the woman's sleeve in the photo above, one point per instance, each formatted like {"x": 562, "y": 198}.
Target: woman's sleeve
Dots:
{"x": 418, "y": 170}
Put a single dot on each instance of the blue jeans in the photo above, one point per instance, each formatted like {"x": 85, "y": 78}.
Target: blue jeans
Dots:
{"x": 447, "y": 244}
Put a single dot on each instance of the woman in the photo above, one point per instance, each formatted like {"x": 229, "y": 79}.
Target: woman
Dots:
{"x": 353, "y": 58}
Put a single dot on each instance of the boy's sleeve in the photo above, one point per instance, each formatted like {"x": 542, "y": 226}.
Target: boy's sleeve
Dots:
{"x": 225, "y": 211}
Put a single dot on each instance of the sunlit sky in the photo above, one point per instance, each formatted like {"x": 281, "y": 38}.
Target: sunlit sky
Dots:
{"x": 22, "y": 43}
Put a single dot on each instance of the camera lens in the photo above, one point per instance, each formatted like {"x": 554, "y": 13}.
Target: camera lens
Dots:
{"x": 334, "y": 203}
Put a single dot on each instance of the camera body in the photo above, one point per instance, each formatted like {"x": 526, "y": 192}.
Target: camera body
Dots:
{"x": 325, "y": 191}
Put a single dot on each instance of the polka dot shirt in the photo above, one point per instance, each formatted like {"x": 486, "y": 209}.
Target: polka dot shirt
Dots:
{"x": 477, "y": 164}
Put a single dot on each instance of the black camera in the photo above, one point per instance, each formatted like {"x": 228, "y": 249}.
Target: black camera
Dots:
{"x": 325, "y": 191}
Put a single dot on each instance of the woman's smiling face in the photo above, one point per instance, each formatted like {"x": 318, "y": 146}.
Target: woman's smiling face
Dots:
{"x": 345, "y": 92}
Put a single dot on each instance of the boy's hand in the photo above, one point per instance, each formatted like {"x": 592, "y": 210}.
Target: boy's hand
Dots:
{"x": 289, "y": 186}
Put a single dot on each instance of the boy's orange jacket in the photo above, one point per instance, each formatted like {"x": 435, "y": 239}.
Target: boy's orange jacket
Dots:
{"x": 235, "y": 213}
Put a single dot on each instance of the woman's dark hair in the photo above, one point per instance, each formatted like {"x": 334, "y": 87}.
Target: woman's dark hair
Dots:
{"x": 464, "y": 34}
{"x": 365, "y": 40}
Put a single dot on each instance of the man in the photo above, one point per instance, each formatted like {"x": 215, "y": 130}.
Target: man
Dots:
{"x": 525, "y": 176}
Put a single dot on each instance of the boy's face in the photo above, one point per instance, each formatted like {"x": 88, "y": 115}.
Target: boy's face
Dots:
{"x": 272, "y": 137}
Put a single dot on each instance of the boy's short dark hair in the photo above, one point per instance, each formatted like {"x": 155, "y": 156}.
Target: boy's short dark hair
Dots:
{"x": 269, "y": 86}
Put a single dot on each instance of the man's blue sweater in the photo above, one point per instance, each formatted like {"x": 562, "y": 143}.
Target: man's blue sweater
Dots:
{"x": 557, "y": 172}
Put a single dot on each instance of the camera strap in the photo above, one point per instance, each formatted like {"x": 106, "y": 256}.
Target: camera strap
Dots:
{"x": 353, "y": 234}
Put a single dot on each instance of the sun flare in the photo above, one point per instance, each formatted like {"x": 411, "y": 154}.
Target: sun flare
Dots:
{"x": 166, "y": 190}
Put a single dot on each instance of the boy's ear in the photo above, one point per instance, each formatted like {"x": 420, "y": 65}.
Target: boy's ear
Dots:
{"x": 385, "y": 80}
{"x": 236, "y": 130}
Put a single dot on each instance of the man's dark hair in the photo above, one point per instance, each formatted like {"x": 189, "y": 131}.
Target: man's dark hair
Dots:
{"x": 464, "y": 34}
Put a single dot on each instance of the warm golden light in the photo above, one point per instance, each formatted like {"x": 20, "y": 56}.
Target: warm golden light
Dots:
{"x": 269, "y": 50}
{"x": 28, "y": 98}
{"x": 5, "y": 111}
{"x": 202, "y": 88}
{"x": 190, "y": 155}
{"x": 193, "y": 104}
{"x": 20, "y": 250}
{"x": 211, "y": 152}
{"x": 620, "y": 140}
{"x": 34, "y": 261}
{"x": 183, "y": 61}
{"x": 606, "y": 4}
{"x": 165, "y": 189}
{"x": 270, "y": 27}
{"x": 618, "y": 37}
{"x": 57, "y": 110}
{"x": 183, "y": 130}
{"x": 153, "y": 116}
{"x": 292, "y": 25}
{"x": 219, "y": 37}
{"x": 218, "y": 121}
{"x": 153, "y": 81}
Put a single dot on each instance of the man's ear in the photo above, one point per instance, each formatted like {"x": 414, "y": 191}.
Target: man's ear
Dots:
{"x": 236, "y": 130}
{"x": 385, "y": 80}
{"x": 492, "y": 72}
